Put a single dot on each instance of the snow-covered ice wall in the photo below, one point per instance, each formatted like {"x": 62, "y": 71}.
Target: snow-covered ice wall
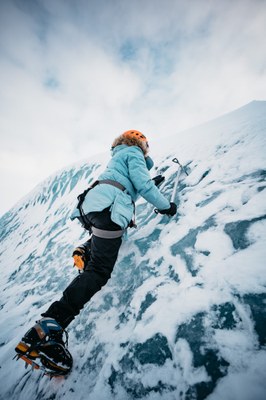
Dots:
{"x": 183, "y": 316}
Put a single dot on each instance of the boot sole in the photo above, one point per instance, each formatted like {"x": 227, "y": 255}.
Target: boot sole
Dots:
{"x": 48, "y": 363}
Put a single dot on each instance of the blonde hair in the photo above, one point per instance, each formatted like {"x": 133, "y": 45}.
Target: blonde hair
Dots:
{"x": 131, "y": 141}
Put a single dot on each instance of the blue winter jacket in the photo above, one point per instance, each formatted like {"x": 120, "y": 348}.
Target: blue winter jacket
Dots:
{"x": 129, "y": 167}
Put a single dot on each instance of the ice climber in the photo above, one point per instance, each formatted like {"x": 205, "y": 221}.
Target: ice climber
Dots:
{"x": 106, "y": 211}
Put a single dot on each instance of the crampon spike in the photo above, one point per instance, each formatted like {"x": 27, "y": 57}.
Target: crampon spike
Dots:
{"x": 33, "y": 365}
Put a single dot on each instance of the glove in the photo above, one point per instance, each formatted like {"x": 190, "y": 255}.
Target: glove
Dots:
{"x": 79, "y": 256}
{"x": 169, "y": 211}
{"x": 158, "y": 179}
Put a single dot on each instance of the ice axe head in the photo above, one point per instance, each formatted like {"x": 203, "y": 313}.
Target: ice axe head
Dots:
{"x": 175, "y": 160}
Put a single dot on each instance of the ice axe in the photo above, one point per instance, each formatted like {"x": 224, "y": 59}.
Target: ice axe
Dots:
{"x": 181, "y": 168}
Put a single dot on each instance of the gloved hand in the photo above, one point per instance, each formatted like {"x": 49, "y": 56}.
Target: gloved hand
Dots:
{"x": 169, "y": 211}
{"x": 80, "y": 259}
{"x": 158, "y": 179}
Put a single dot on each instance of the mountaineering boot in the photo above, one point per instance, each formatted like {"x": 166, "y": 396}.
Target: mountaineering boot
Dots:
{"x": 44, "y": 343}
{"x": 81, "y": 255}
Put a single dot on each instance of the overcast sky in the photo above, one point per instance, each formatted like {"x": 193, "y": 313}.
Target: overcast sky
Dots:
{"x": 77, "y": 73}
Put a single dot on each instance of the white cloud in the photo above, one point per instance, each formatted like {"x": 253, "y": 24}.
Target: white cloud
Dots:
{"x": 76, "y": 74}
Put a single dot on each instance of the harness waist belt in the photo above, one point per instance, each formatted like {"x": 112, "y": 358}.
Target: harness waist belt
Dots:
{"x": 107, "y": 234}
{"x": 113, "y": 183}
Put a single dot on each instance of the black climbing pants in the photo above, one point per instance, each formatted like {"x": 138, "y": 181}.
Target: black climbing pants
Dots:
{"x": 104, "y": 254}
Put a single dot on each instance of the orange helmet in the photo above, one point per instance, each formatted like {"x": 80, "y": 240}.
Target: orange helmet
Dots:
{"x": 135, "y": 134}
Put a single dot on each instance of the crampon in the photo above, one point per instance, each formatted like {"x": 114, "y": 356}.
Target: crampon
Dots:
{"x": 42, "y": 348}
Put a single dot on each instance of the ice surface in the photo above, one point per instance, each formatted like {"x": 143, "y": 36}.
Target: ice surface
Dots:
{"x": 184, "y": 314}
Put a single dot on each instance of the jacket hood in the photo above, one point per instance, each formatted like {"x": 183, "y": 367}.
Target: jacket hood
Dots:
{"x": 149, "y": 161}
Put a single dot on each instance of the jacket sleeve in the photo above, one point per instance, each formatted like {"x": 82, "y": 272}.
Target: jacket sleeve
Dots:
{"x": 144, "y": 185}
